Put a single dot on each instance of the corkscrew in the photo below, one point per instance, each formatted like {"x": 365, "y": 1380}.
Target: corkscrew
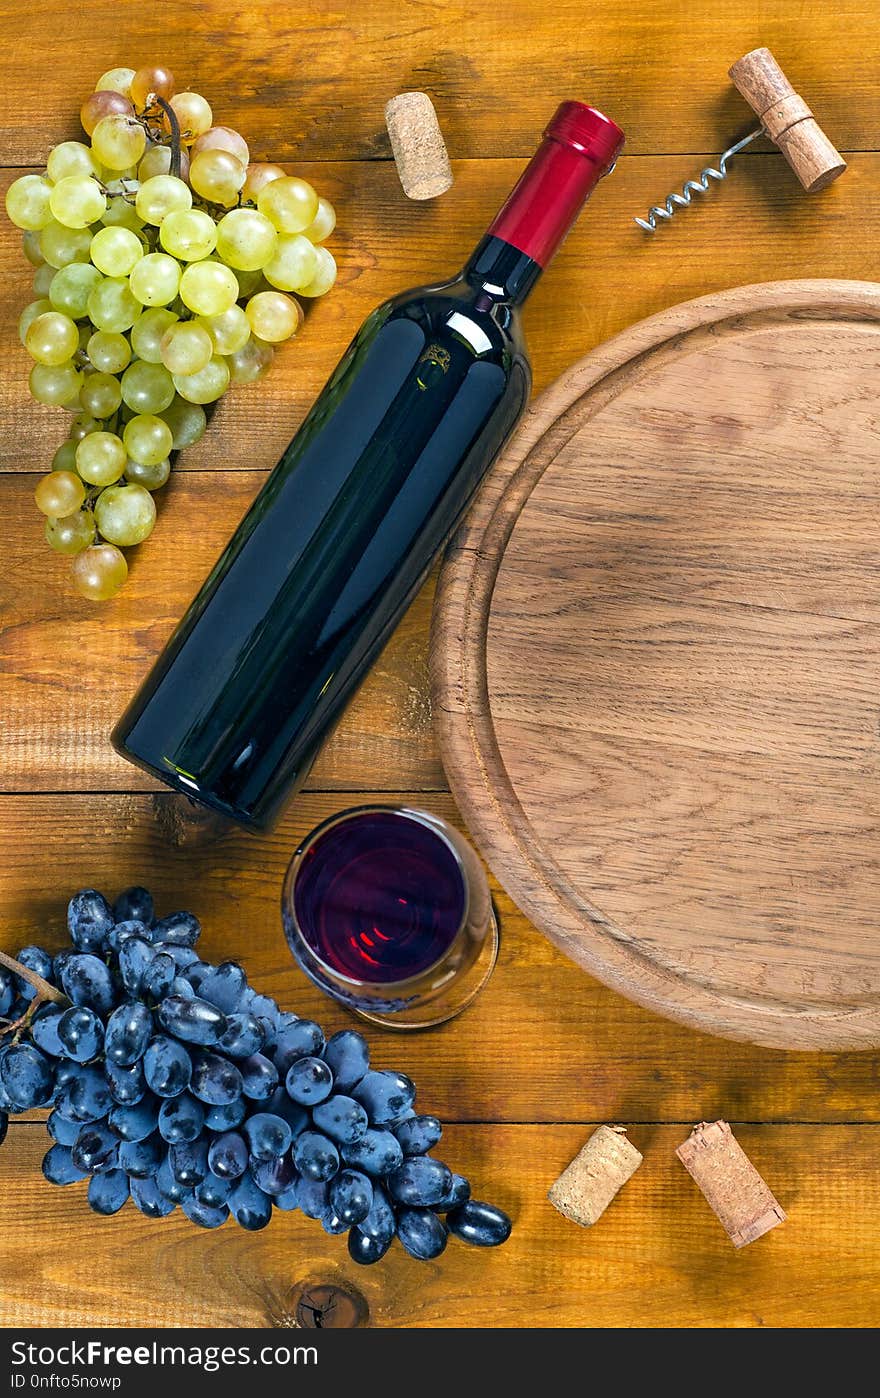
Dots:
{"x": 784, "y": 118}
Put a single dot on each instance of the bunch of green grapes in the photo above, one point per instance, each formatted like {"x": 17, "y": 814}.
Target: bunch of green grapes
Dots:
{"x": 167, "y": 268}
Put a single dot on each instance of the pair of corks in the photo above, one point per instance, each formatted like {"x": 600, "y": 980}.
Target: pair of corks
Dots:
{"x": 711, "y": 1154}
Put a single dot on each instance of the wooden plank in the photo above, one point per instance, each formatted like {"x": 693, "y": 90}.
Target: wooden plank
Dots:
{"x": 759, "y": 226}
{"x": 544, "y": 1042}
{"x": 658, "y": 1257}
{"x": 279, "y": 72}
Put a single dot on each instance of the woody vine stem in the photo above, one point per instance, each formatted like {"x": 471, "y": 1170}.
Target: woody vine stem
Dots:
{"x": 46, "y": 993}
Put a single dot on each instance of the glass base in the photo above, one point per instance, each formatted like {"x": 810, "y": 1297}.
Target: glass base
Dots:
{"x": 461, "y": 993}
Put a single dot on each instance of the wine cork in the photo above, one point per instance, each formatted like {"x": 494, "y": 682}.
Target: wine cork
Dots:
{"x": 418, "y": 146}
{"x": 787, "y": 119}
{"x": 732, "y": 1186}
{"x": 586, "y": 1187}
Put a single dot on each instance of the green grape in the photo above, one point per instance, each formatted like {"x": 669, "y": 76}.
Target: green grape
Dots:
{"x": 101, "y": 395}
{"x": 77, "y": 200}
{"x": 108, "y": 351}
{"x": 325, "y": 275}
{"x": 150, "y": 477}
{"x": 99, "y": 572}
{"x": 28, "y": 202}
{"x": 121, "y": 214}
{"x": 162, "y": 195}
{"x": 246, "y": 240}
{"x": 249, "y": 282}
{"x": 294, "y": 265}
{"x": 84, "y": 332}
{"x": 155, "y": 279}
{"x": 29, "y": 315}
{"x": 72, "y": 533}
{"x": 57, "y": 387}
{"x": 60, "y": 246}
{"x": 257, "y": 176}
{"x": 193, "y": 114}
{"x": 151, "y": 81}
{"x": 115, "y": 80}
{"x": 115, "y": 251}
{"x": 157, "y": 161}
{"x": 147, "y": 439}
{"x": 225, "y": 139}
{"x": 273, "y": 316}
{"x": 207, "y": 385}
{"x": 208, "y": 288}
{"x": 147, "y": 388}
{"x": 52, "y": 338}
{"x": 59, "y": 494}
{"x": 323, "y": 223}
{"x": 71, "y": 287}
{"x": 250, "y": 362}
{"x": 189, "y": 235}
{"x": 82, "y": 424}
{"x": 217, "y": 176}
{"x": 229, "y": 331}
{"x": 71, "y": 158}
{"x": 147, "y": 332}
{"x": 125, "y": 514}
{"x": 30, "y": 246}
{"x": 187, "y": 422}
{"x": 100, "y": 104}
{"x": 111, "y": 305}
{"x": 118, "y": 142}
{"x": 291, "y": 204}
{"x": 65, "y": 457}
{"x": 100, "y": 458}
{"x": 186, "y": 348}
{"x": 43, "y": 279}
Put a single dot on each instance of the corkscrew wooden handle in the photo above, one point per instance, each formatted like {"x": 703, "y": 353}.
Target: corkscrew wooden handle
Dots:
{"x": 787, "y": 119}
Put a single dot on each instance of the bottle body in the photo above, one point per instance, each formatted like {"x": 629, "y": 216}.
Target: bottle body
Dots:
{"x": 334, "y": 547}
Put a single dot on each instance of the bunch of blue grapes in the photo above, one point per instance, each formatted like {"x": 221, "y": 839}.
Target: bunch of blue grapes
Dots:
{"x": 172, "y": 1082}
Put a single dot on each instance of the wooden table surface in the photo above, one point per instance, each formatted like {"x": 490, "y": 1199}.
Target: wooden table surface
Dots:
{"x": 546, "y": 1053}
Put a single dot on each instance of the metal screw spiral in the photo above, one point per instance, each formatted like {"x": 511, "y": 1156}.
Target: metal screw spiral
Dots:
{"x": 692, "y": 187}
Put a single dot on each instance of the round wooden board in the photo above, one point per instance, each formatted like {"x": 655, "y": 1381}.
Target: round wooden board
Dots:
{"x": 656, "y": 664}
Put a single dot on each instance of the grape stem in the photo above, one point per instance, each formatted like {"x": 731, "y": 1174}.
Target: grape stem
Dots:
{"x": 46, "y": 994}
{"x": 175, "y": 134}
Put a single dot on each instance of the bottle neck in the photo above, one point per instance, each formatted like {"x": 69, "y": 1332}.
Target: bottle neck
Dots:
{"x": 500, "y": 272}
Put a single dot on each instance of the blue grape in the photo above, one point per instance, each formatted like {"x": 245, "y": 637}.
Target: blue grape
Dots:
{"x": 159, "y": 976}
{"x": 275, "y": 1176}
{"x": 81, "y": 1033}
{"x": 4, "y": 1126}
{"x": 195, "y": 1021}
{"x": 279, "y": 1104}
{"x": 480, "y": 1224}
{"x": 287, "y": 1200}
{"x": 348, "y": 1056}
{"x": 380, "y": 1223}
{"x": 38, "y": 960}
{"x": 108, "y": 1192}
{"x": 127, "y": 1084}
{"x": 96, "y": 1148}
{"x": 168, "y": 1185}
{"x": 180, "y": 987}
{"x": 188, "y": 1162}
{"x": 309, "y": 1080}
{"x": 44, "y": 1030}
{"x": 227, "y": 1115}
{"x": 135, "y": 955}
{"x": 89, "y": 920}
{"x": 224, "y": 987}
{"x": 386, "y": 1096}
{"x": 182, "y": 957}
{"x": 351, "y": 1196}
{"x": 178, "y": 929}
{"x": 215, "y": 1080}
{"x": 259, "y": 1077}
{"x": 181, "y": 1119}
{"x": 342, "y": 1119}
{"x": 64, "y": 1132}
{"x": 137, "y": 1122}
{"x": 7, "y": 992}
{"x": 147, "y": 1197}
{"x": 128, "y": 1032}
{"x": 418, "y": 1134}
{"x": 168, "y": 1067}
{"x": 135, "y": 903}
{"x": 228, "y": 1156}
{"x": 378, "y": 1153}
{"x": 267, "y": 1136}
{"x": 304, "y": 1039}
{"x": 249, "y": 1206}
{"x": 311, "y": 1196}
{"x": 242, "y": 1037}
{"x": 90, "y": 1098}
{"x": 458, "y": 1194}
{"x": 59, "y": 961}
{"x": 27, "y": 1076}
{"x": 213, "y": 1191}
{"x": 123, "y": 930}
{"x": 315, "y": 1156}
{"x": 331, "y": 1222}
{"x": 420, "y": 1181}
{"x": 195, "y": 973}
{"x": 366, "y": 1250}
{"x": 141, "y": 1159}
{"x": 421, "y": 1232}
{"x": 203, "y": 1214}
{"x": 58, "y": 1166}
{"x": 87, "y": 981}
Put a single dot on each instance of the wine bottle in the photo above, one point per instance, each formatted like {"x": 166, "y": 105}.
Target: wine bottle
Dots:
{"x": 346, "y": 527}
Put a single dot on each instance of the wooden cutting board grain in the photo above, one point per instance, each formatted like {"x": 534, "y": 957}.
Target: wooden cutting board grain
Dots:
{"x": 656, "y": 664}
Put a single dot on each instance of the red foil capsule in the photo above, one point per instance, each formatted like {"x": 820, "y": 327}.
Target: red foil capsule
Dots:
{"x": 580, "y": 145}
